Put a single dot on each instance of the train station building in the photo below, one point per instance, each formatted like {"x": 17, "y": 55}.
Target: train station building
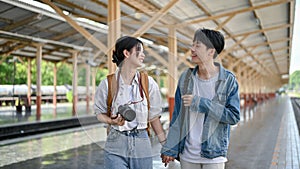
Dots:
{"x": 41, "y": 127}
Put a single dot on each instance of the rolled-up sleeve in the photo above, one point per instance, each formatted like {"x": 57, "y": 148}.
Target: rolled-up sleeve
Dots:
{"x": 100, "y": 105}
{"x": 155, "y": 99}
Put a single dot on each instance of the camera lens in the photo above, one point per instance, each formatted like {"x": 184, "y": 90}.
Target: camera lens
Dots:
{"x": 127, "y": 113}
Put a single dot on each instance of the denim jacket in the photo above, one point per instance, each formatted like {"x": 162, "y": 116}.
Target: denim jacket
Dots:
{"x": 220, "y": 112}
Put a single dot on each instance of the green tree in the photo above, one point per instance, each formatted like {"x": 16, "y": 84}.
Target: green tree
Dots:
{"x": 13, "y": 71}
{"x": 46, "y": 73}
{"x": 6, "y": 72}
{"x": 295, "y": 80}
{"x": 82, "y": 76}
{"x": 64, "y": 74}
{"x": 100, "y": 75}
{"x": 21, "y": 73}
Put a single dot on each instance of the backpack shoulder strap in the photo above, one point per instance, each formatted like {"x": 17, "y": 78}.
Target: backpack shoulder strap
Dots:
{"x": 145, "y": 86}
{"x": 112, "y": 82}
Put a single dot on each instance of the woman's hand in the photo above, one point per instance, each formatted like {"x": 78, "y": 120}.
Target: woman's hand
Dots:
{"x": 187, "y": 99}
{"x": 117, "y": 120}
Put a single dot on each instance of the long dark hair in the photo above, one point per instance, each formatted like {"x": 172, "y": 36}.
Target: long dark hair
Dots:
{"x": 124, "y": 43}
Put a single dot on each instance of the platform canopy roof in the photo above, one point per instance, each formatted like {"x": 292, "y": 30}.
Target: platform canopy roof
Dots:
{"x": 258, "y": 32}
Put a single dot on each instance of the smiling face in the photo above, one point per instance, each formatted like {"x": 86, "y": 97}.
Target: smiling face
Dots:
{"x": 136, "y": 56}
{"x": 201, "y": 53}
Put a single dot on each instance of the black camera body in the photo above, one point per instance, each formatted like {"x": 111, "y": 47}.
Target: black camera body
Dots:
{"x": 126, "y": 112}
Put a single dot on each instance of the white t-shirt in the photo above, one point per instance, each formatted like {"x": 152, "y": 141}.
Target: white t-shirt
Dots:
{"x": 192, "y": 149}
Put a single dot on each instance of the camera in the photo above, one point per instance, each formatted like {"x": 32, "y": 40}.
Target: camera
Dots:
{"x": 126, "y": 112}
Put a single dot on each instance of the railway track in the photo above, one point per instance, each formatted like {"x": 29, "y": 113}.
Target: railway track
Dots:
{"x": 25, "y": 129}
{"x": 296, "y": 106}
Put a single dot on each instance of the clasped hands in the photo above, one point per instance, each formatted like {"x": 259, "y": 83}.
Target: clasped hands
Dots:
{"x": 166, "y": 159}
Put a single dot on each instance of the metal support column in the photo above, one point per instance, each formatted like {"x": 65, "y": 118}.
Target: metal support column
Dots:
{"x": 74, "y": 82}
{"x": 38, "y": 81}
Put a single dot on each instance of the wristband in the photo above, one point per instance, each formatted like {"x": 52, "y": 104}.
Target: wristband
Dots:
{"x": 163, "y": 141}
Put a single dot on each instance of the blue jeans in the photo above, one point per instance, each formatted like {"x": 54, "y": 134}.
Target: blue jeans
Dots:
{"x": 128, "y": 150}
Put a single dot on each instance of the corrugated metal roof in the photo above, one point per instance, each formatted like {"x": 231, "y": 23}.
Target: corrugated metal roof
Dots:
{"x": 258, "y": 32}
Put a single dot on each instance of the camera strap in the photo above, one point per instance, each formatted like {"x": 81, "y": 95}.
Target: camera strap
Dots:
{"x": 113, "y": 86}
{"x": 118, "y": 85}
{"x": 141, "y": 92}
{"x": 113, "y": 89}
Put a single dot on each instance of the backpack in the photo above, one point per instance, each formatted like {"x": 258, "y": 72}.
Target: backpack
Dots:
{"x": 112, "y": 82}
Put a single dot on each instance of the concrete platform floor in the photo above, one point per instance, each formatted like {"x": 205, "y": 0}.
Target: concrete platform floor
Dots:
{"x": 266, "y": 138}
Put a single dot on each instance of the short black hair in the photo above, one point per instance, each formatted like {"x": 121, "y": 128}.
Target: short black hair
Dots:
{"x": 211, "y": 38}
{"x": 124, "y": 43}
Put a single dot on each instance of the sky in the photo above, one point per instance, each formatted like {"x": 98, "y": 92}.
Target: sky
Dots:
{"x": 295, "y": 56}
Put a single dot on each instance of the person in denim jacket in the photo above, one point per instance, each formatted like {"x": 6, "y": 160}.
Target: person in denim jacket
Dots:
{"x": 206, "y": 104}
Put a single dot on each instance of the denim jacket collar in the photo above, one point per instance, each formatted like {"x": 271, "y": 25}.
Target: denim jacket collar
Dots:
{"x": 222, "y": 74}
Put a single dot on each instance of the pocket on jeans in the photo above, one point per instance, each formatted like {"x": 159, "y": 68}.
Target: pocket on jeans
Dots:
{"x": 143, "y": 146}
